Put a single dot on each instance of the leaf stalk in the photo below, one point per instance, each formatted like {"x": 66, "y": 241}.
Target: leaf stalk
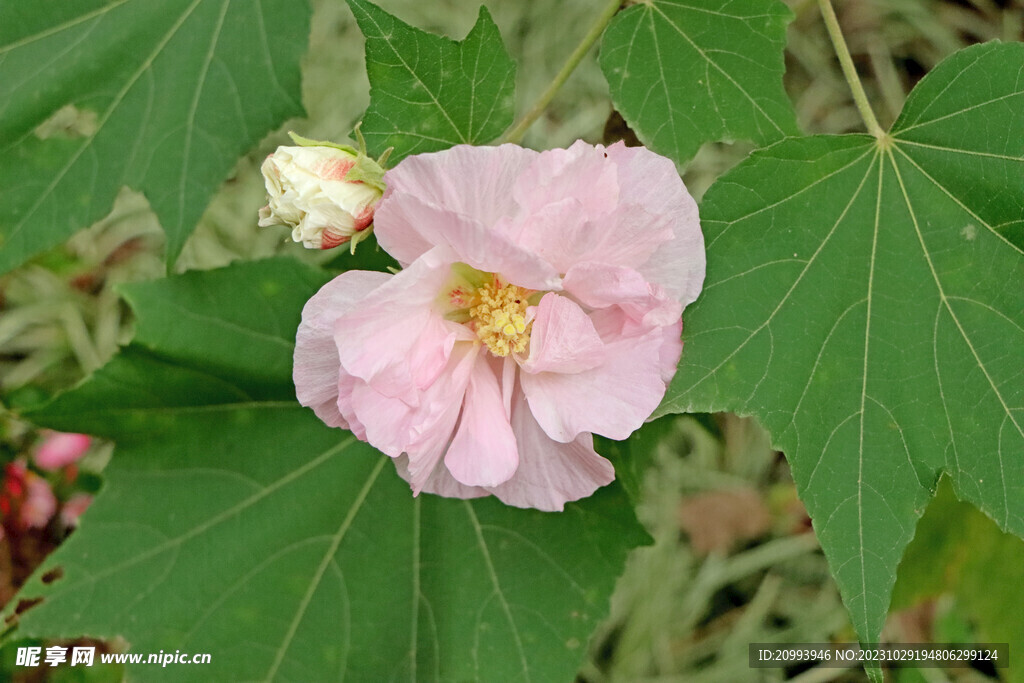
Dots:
{"x": 515, "y": 134}
{"x": 849, "y": 71}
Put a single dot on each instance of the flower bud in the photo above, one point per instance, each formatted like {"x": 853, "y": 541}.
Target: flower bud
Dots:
{"x": 326, "y": 193}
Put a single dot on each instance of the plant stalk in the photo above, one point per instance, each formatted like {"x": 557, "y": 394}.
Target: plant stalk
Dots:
{"x": 515, "y": 134}
{"x": 849, "y": 71}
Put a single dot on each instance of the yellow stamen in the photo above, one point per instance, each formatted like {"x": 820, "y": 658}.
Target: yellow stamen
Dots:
{"x": 500, "y": 318}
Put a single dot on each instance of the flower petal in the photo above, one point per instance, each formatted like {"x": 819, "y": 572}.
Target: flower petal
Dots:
{"x": 346, "y": 408}
{"x": 466, "y": 180}
{"x": 671, "y": 350}
{"x": 627, "y": 236}
{"x": 562, "y": 339}
{"x": 59, "y": 449}
{"x": 613, "y": 399}
{"x": 652, "y": 181}
{"x": 440, "y": 482}
{"x": 40, "y": 504}
{"x": 422, "y": 430}
{"x": 580, "y": 172}
{"x": 470, "y": 240}
{"x": 550, "y": 474}
{"x": 394, "y": 339}
{"x": 315, "y": 370}
{"x": 599, "y": 285}
{"x": 483, "y": 452}
{"x": 613, "y": 324}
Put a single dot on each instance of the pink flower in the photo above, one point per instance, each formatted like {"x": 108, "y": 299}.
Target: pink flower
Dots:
{"x": 39, "y": 505}
{"x": 26, "y": 499}
{"x": 539, "y": 304}
{"x": 73, "y": 508}
{"x": 59, "y": 449}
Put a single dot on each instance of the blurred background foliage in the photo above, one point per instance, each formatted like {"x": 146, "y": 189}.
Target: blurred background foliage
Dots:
{"x": 733, "y": 560}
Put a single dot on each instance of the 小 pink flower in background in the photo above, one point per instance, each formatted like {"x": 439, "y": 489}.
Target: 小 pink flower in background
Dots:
{"x": 26, "y": 500}
{"x": 59, "y": 449}
{"x": 539, "y": 303}
{"x": 73, "y": 508}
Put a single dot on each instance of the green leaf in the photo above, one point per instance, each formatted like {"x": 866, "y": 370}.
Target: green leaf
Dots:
{"x": 233, "y": 522}
{"x": 864, "y": 300}
{"x": 203, "y": 320}
{"x": 161, "y": 97}
{"x": 427, "y": 92}
{"x": 633, "y": 457}
{"x": 686, "y": 73}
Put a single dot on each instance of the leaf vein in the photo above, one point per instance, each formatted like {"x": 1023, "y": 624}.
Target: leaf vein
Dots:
{"x": 328, "y": 557}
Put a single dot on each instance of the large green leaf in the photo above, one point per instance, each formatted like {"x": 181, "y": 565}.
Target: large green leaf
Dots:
{"x": 686, "y": 73}
{"x": 162, "y": 97}
{"x": 233, "y": 522}
{"x": 428, "y": 92}
{"x": 865, "y": 300}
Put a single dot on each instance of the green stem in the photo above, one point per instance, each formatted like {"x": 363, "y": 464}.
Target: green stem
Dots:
{"x": 849, "y": 71}
{"x": 515, "y": 134}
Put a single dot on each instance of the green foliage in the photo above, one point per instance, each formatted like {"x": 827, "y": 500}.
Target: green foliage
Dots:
{"x": 234, "y": 522}
{"x": 634, "y": 456}
{"x": 427, "y": 92}
{"x": 959, "y": 550}
{"x": 863, "y": 300}
{"x": 686, "y": 73}
{"x": 161, "y": 97}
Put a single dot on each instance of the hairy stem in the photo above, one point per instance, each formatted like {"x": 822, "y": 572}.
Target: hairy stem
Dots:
{"x": 515, "y": 134}
{"x": 849, "y": 71}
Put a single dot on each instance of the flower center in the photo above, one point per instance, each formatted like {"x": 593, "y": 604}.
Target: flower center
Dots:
{"x": 500, "y": 318}
{"x": 494, "y": 309}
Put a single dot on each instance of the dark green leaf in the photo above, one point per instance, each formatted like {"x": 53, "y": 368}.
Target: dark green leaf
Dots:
{"x": 865, "y": 301}
{"x": 161, "y": 97}
{"x": 686, "y": 73}
{"x": 428, "y": 92}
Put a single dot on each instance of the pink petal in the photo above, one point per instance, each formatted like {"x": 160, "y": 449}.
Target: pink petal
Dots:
{"x": 395, "y": 339}
{"x": 483, "y": 452}
{"x": 385, "y": 420}
{"x": 315, "y": 371}
{"x": 60, "y": 449}
{"x": 652, "y": 181}
{"x": 466, "y": 180}
{"x": 470, "y": 240}
{"x": 550, "y": 474}
{"x": 614, "y": 324}
{"x": 580, "y": 172}
{"x": 40, "y": 504}
{"x": 74, "y": 508}
{"x": 613, "y": 399}
{"x": 600, "y": 285}
{"x": 578, "y": 208}
{"x": 563, "y": 339}
{"x": 345, "y": 406}
{"x": 440, "y": 482}
{"x": 508, "y": 383}
{"x": 424, "y": 429}
{"x": 627, "y": 236}
{"x": 671, "y": 350}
